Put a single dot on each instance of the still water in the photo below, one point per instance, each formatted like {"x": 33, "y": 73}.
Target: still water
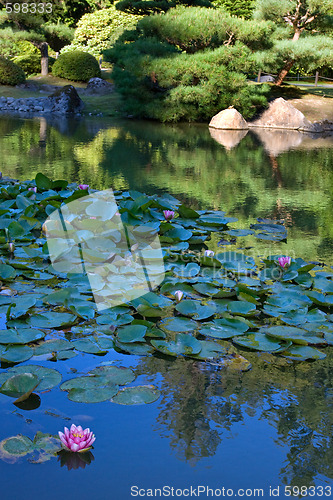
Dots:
{"x": 265, "y": 429}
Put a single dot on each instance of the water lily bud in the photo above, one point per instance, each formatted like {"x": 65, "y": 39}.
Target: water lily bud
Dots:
{"x": 84, "y": 187}
{"x": 34, "y": 189}
{"x": 76, "y": 439}
{"x": 284, "y": 261}
{"x": 178, "y": 295}
{"x": 11, "y": 247}
{"x": 209, "y": 253}
{"x": 168, "y": 214}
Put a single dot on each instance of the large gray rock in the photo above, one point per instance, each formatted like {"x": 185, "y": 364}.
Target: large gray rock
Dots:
{"x": 229, "y": 119}
{"x": 65, "y": 100}
{"x": 282, "y": 114}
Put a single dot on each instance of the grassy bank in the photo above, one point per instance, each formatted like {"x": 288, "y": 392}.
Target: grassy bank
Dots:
{"x": 108, "y": 104}
{"x": 316, "y": 103}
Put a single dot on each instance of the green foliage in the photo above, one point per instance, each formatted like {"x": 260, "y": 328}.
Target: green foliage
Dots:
{"x": 77, "y": 66}
{"x": 159, "y": 81}
{"x": 239, "y": 8}
{"x": 31, "y": 64}
{"x": 194, "y": 29}
{"x": 99, "y": 30}
{"x": 10, "y": 48}
{"x": 10, "y": 73}
{"x": 147, "y": 7}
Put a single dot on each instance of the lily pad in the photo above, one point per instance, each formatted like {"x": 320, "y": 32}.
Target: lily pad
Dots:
{"x": 116, "y": 375}
{"x": 20, "y": 386}
{"x": 260, "y": 342}
{"x": 296, "y": 335}
{"x": 223, "y": 328}
{"x": 95, "y": 395}
{"x": 302, "y": 353}
{"x": 178, "y": 324}
{"x": 20, "y": 336}
{"x": 131, "y": 333}
{"x": 16, "y": 353}
{"x": 139, "y": 395}
{"x": 182, "y": 345}
{"x": 48, "y": 377}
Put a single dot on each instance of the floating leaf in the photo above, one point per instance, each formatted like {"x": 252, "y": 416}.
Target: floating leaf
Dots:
{"x": 16, "y": 353}
{"x": 260, "y": 342}
{"x": 302, "y": 353}
{"x": 20, "y": 336}
{"x": 182, "y": 345}
{"x": 48, "y": 377}
{"x": 131, "y": 333}
{"x": 296, "y": 335}
{"x": 178, "y": 324}
{"x": 138, "y": 395}
{"x": 116, "y": 375}
{"x": 7, "y": 272}
{"x": 96, "y": 395}
{"x": 223, "y": 328}
{"x": 20, "y": 386}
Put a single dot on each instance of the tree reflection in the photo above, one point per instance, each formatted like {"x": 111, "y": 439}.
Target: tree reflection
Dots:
{"x": 200, "y": 406}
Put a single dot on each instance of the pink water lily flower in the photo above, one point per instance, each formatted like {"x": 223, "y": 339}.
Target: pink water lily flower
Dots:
{"x": 284, "y": 261}
{"x": 84, "y": 187}
{"x": 178, "y": 295}
{"x": 209, "y": 253}
{"x": 34, "y": 189}
{"x": 168, "y": 214}
{"x": 76, "y": 439}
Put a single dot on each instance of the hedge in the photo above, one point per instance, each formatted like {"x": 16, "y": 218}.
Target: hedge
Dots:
{"x": 77, "y": 66}
{"x": 10, "y": 73}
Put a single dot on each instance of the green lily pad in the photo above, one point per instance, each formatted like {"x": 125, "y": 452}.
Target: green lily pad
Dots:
{"x": 16, "y": 446}
{"x": 178, "y": 324}
{"x": 88, "y": 345}
{"x": 242, "y": 308}
{"x": 20, "y": 386}
{"x": 131, "y": 333}
{"x": 134, "y": 348}
{"x": 296, "y": 335}
{"x": 95, "y": 395}
{"x": 51, "y": 320}
{"x": 223, "y": 328}
{"x": 260, "y": 342}
{"x": 195, "y": 309}
{"x": 86, "y": 382}
{"x": 116, "y": 375}
{"x": 182, "y": 345}
{"x": 7, "y": 272}
{"x": 302, "y": 353}
{"x": 16, "y": 353}
{"x": 20, "y": 336}
{"x": 48, "y": 377}
{"x": 209, "y": 350}
{"x": 53, "y": 345}
{"x": 139, "y": 395}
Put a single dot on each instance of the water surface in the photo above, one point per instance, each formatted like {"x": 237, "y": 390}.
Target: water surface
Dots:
{"x": 267, "y": 428}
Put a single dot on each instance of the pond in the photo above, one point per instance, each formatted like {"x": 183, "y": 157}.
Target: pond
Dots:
{"x": 260, "y": 430}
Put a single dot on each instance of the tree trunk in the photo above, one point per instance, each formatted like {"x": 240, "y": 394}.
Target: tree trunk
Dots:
{"x": 44, "y": 51}
{"x": 284, "y": 72}
{"x": 287, "y": 67}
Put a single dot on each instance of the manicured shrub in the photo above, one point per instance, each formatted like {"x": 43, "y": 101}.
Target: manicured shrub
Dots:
{"x": 77, "y": 66}
{"x": 99, "y": 30}
{"x": 10, "y": 73}
{"x": 31, "y": 64}
{"x": 196, "y": 28}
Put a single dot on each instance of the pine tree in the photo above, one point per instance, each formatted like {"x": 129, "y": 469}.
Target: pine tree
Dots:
{"x": 147, "y": 7}
{"x": 298, "y": 17}
{"x": 20, "y": 24}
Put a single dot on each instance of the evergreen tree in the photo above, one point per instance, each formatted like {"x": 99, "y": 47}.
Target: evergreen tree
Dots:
{"x": 239, "y": 8}
{"x": 18, "y": 22}
{"x": 308, "y": 18}
{"x": 147, "y": 7}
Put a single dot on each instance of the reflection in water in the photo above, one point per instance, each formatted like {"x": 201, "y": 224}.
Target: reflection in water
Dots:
{"x": 75, "y": 460}
{"x": 228, "y": 138}
{"x": 201, "y": 407}
{"x": 277, "y": 141}
{"x": 247, "y": 181}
